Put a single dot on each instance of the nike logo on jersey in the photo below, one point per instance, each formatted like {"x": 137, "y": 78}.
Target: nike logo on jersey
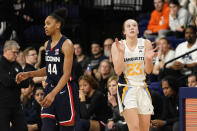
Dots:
{"x": 62, "y": 92}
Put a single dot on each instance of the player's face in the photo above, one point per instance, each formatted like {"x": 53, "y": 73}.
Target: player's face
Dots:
{"x": 130, "y": 28}
{"x": 113, "y": 85}
{"x": 51, "y": 25}
{"x": 167, "y": 90}
{"x": 84, "y": 86}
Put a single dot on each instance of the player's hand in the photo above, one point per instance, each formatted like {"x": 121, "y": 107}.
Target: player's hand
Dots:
{"x": 120, "y": 46}
{"x": 150, "y": 54}
{"x": 48, "y": 100}
{"x": 21, "y": 76}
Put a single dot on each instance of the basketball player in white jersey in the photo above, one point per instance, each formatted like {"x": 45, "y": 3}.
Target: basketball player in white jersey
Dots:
{"x": 132, "y": 59}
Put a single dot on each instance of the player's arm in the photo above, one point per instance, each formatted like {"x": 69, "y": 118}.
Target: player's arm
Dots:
{"x": 68, "y": 51}
{"x": 149, "y": 55}
{"x": 118, "y": 56}
{"x": 37, "y": 73}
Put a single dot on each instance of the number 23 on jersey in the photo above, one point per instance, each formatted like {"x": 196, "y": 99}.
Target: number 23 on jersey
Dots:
{"x": 134, "y": 69}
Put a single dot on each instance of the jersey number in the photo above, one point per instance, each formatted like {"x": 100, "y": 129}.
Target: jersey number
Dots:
{"x": 52, "y": 68}
{"x": 134, "y": 69}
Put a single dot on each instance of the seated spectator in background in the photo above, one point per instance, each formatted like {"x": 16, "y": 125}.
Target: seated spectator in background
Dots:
{"x": 159, "y": 20}
{"x": 107, "y": 47}
{"x": 179, "y": 18}
{"x": 165, "y": 54}
{"x": 31, "y": 106}
{"x": 93, "y": 106}
{"x": 192, "y": 7}
{"x": 169, "y": 120}
{"x": 187, "y": 62}
{"x": 80, "y": 57}
{"x": 192, "y": 80}
{"x": 117, "y": 122}
{"x": 97, "y": 57}
{"x": 105, "y": 71}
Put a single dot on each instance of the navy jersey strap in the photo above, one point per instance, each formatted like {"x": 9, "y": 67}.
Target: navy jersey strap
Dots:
{"x": 61, "y": 42}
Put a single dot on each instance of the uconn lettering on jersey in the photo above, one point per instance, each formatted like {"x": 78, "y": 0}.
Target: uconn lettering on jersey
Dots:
{"x": 52, "y": 58}
{"x": 133, "y": 58}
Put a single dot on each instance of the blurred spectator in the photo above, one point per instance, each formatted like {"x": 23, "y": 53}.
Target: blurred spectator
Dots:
{"x": 192, "y": 7}
{"x": 93, "y": 106}
{"x": 97, "y": 56}
{"x": 10, "y": 105}
{"x": 184, "y": 3}
{"x": 170, "y": 114}
{"x": 23, "y": 16}
{"x": 157, "y": 101}
{"x": 31, "y": 107}
{"x": 31, "y": 58}
{"x": 192, "y": 80}
{"x": 107, "y": 47}
{"x": 80, "y": 57}
{"x": 105, "y": 71}
{"x": 165, "y": 54}
{"x": 77, "y": 71}
{"x": 159, "y": 20}
{"x": 189, "y": 61}
{"x": 21, "y": 59}
{"x": 195, "y": 21}
{"x": 117, "y": 122}
{"x": 40, "y": 61}
{"x": 179, "y": 18}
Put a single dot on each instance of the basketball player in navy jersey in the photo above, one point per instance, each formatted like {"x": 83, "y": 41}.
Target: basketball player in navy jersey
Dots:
{"x": 132, "y": 59}
{"x": 58, "y": 104}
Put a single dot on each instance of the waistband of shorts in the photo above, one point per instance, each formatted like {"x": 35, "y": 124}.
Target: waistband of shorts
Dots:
{"x": 119, "y": 84}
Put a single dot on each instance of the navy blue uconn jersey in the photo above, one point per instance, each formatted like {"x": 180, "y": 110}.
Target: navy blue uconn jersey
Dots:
{"x": 54, "y": 61}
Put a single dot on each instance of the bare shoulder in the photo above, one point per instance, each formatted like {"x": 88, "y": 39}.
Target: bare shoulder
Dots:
{"x": 67, "y": 46}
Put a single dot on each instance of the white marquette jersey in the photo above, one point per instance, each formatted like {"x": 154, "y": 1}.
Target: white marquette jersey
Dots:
{"x": 133, "y": 73}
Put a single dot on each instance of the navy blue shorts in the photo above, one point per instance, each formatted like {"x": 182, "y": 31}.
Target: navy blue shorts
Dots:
{"x": 63, "y": 109}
